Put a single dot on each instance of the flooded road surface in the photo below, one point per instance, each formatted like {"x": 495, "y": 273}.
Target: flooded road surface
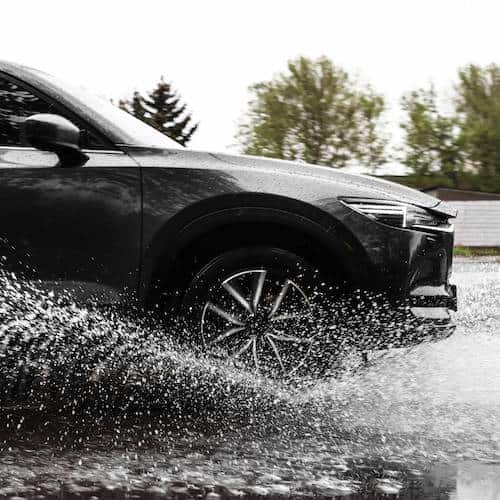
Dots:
{"x": 94, "y": 407}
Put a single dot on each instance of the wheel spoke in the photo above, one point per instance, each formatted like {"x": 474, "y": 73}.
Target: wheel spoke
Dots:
{"x": 224, "y": 314}
{"x": 289, "y": 338}
{"x": 254, "y": 351}
{"x": 257, "y": 291}
{"x": 280, "y": 297}
{"x": 237, "y": 295}
{"x": 226, "y": 334}
{"x": 242, "y": 350}
{"x": 276, "y": 352}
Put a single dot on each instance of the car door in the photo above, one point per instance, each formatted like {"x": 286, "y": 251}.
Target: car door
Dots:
{"x": 75, "y": 229}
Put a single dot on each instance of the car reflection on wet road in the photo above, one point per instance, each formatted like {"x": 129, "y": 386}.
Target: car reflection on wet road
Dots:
{"x": 424, "y": 423}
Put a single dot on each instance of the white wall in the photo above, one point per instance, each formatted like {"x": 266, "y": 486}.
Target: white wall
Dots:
{"x": 478, "y": 223}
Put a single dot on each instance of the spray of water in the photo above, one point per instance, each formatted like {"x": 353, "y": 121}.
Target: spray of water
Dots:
{"x": 57, "y": 358}
{"x": 70, "y": 374}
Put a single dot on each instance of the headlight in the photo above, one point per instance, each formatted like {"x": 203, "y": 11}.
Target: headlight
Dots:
{"x": 398, "y": 214}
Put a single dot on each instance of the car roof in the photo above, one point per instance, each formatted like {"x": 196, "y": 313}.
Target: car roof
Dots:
{"x": 12, "y": 66}
{"x": 25, "y": 73}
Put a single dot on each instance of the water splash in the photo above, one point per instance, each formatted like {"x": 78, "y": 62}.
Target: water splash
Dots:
{"x": 139, "y": 410}
{"x": 442, "y": 397}
{"x": 55, "y": 356}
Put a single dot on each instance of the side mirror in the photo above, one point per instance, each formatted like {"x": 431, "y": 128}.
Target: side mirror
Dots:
{"x": 56, "y": 134}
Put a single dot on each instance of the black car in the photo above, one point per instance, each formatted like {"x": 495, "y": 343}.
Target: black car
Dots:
{"x": 95, "y": 203}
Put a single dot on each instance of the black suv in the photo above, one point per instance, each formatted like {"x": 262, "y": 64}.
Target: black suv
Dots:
{"x": 98, "y": 204}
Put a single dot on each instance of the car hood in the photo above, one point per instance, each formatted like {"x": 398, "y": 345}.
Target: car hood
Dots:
{"x": 374, "y": 187}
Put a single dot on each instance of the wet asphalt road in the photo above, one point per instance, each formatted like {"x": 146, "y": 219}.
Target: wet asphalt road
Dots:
{"x": 423, "y": 423}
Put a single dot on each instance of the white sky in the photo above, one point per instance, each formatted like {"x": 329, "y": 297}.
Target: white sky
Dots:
{"x": 213, "y": 50}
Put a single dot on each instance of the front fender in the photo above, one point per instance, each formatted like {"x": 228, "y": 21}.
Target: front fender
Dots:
{"x": 166, "y": 246}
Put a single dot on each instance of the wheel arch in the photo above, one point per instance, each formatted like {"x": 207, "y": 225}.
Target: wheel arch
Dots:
{"x": 200, "y": 231}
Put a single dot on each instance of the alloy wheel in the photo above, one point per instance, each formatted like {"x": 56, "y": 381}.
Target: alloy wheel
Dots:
{"x": 259, "y": 319}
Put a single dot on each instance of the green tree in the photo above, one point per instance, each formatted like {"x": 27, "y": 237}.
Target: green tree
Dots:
{"x": 460, "y": 148}
{"x": 314, "y": 112}
{"x": 433, "y": 142}
{"x": 162, "y": 109}
{"x": 478, "y": 110}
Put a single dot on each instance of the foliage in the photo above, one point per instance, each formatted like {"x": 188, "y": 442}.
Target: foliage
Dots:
{"x": 461, "y": 148}
{"x": 476, "y": 251}
{"x": 315, "y": 113}
{"x": 467, "y": 180}
{"x": 433, "y": 141}
{"x": 478, "y": 108}
{"x": 162, "y": 109}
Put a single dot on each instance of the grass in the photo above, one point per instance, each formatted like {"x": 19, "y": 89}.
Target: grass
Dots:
{"x": 476, "y": 251}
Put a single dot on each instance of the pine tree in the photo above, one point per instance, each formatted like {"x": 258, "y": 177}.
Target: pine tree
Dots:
{"x": 162, "y": 109}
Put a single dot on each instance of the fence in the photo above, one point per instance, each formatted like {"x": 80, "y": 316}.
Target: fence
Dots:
{"x": 478, "y": 223}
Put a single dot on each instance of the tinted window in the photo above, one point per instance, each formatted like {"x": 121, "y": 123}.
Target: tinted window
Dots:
{"x": 16, "y": 104}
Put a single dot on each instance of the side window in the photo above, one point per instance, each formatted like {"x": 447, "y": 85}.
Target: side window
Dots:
{"x": 18, "y": 103}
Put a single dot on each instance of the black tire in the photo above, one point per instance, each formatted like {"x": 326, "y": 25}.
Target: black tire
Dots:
{"x": 255, "y": 305}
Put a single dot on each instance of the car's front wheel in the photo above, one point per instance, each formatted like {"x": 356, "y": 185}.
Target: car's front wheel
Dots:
{"x": 253, "y": 306}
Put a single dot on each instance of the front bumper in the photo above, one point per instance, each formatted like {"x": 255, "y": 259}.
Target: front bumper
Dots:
{"x": 427, "y": 301}
{"x": 428, "y": 315}
{"x": 411, "y": 269}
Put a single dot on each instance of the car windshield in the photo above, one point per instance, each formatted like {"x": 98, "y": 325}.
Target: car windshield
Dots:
{"x": 142, "y": 134}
